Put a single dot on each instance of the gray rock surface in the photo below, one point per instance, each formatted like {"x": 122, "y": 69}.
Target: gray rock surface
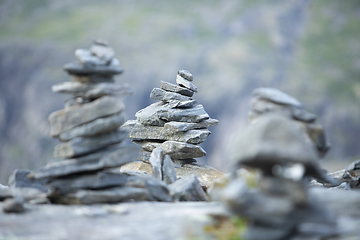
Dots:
{"x": 87, "y": 59}
{"x": 92, "y": 90}
{"x": 93, "y": 78}
{"x": 156, "y": 160}
{"x": 13, "y": 205}
{"x": 144, "y": 156}
{"x": 186, "y": 75}
{"x": 184, "y": 126}
{"x": 140, "y": 131}
{"x": 156, "y": 114}
{"x": 181, "y": 104}
{"x": 187, "y": 189}
{"x": 19, "y": 179}
{"x": 176, "y": 88}
{"x": 168, "y": 170}
{"x": 276, "y": 96}
{"x": 102, "y": 50}
{"x": 96, "y": 127}
{"x": 66, "y": 119}
{"x": 78, "y": 68}
{"x": 158, "y": 191}
{"x": 5, "y": 192}
{"x": 165, "y": 96}
{"x": 186, "y": 83}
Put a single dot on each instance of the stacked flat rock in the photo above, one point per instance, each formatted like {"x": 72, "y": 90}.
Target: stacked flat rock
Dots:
{"x": 177, "y": 123}
{"x": 279, "y": 207}
{"x": 270, "y": 100}
{"x": 88, "y": 128}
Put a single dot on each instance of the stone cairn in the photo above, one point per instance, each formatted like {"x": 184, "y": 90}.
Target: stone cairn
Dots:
{"x": 91, "y": 140}
{"x": 176, "y": 124}
{"x": 278, "y": 206}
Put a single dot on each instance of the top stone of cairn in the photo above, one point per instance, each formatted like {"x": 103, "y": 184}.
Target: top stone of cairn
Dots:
{"x": 186, "y": 75}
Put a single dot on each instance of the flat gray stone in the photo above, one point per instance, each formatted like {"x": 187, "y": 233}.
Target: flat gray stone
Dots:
{"x": 87, "y": 59}
{"x": 156, "y": 114}
{"x": 277, "y": 96}
{"x": 187, "y": 189}
{"x": 185, "y": 74}
{"x": 5, "y": 192}
{"x": 302, "y": 115}
{"x": 144, "y": 156}
{"x": 176, "y": 88}
{"x": 165, "y": 96}
{"x": 176, "y": 150}
{"x": 182, "y": 82}
{"x": 96, "y": 127}
{"x": 19, "y": 179}
{"x": 110, "y": 195}
{"x": 93, "y": 78}
{"x": 66, "y": 119}
{"x": 158, "y": 191}
{"x": 76, "y": 68}
{"x": 92, "y": 90}
{"x": 13, "y": 205}
{"x": 156, "y": 160}
{"x": 181, "y": 104}
{"x": 102, "y": 51}
{"x": 183, "y": 126}
{"x": 84, "y": 145}
{"x": 108, "y": 158}
{"x": 144, "y": 132}
{"x": 168, "y": 170}
{"x": 98, "y": 180}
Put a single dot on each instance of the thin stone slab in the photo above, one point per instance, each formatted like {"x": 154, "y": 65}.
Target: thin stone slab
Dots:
{"x": 102, "y": 51}
{"x": 93, "y": 78}
{"x": 84, "y": 145}
{"x": 277, "y": 96}
{"x": 187, "y": 189}
{"x": 92, "y": 90}
{"x": 302, "y": 115}
{"x": 156, "y": 114}
{"x": 156, "y": 160}
{"x": 66, "y": 119}
{"x": 144, "y": 132}
{"x": 183, "y": 126}
{"x": 5, "y": 193}
{"x": 168, "y": 170}
{"x": 98, "y": 180}
{"x": 181, "y": 104}
{"x": 182, "y": 82}
{"x": 76, "y": 68}
{"x": 176, "y": 88}
{"x": 96, "y": 127}
{"x": 185, "y": 74}
{"x": 87, "y": 59}
{"x": 19, "y": 179}
{"x": 145, "y": 157}
{"x": 165, "y": 96}
{"x": 110, "y": 195}
{"x": 109, "y": 158}
{"x": 176, "y": 150}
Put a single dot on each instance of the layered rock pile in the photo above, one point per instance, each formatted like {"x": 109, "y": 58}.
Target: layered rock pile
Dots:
{"x": 88, "y": 128}
{"x": 176, "y": 124}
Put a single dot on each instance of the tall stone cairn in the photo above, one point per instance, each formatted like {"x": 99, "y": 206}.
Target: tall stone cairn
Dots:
{"x": 88, "y": 128}
{"x": 176, "y": 123}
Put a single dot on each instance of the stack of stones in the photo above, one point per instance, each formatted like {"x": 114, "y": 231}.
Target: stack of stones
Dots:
{"x": 270, "y": 100}
{"x": 91, "y": 140}
{"x": 177, "y": 124}
{"x": 279, "y": 206}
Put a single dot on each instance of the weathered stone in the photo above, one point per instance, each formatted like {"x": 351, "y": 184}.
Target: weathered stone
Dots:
{"x": 87, "y": 59}
{"x": 106, "y": 159}
{"x": 96, "y": 127}
{"x": 110, "y": 195}
{"x": 98, "y": 180}
{"x": 181, "y": 104}
{"x": 102, "y": 51}
{"x": 145, "y": 157}
{"x": 75, "y": 101}
{"x": 156, "y": 114}
{"x": 185, "y": 83}
{"x": 19, "y": 179}
{"x": 77, "y": 68}
{"x": 93, "y": 78}
{"x": 187, "y": 189}
{"x": 92, "y": 90}
{"x": 13, "y": 205}
{"x": 139, "y": 131}
{"x": 156, "y": 160}
{"x": 183, "y": 126}
{"x": 168, "y": 170}
{"x": 158, "y": 191}
{"x": 185, "y": 74}
{"x": 302, "y": 115}
{"x": 83, "y": 145}
{"x": 165, "y": 96}
{"x": 276, "y": 96}
{"x": 5, "y": 192}
{"x": 354, "y": 165}
{"x": 71, "y": 117}
{"x": 175, "y": 88}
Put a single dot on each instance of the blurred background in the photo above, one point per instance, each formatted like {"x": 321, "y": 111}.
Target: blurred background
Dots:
{"x": 308, "y": 49}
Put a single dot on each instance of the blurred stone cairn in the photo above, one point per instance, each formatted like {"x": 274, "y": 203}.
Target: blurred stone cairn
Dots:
{"x": 173, "y": 127}
{"x": 284, "y": 142}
